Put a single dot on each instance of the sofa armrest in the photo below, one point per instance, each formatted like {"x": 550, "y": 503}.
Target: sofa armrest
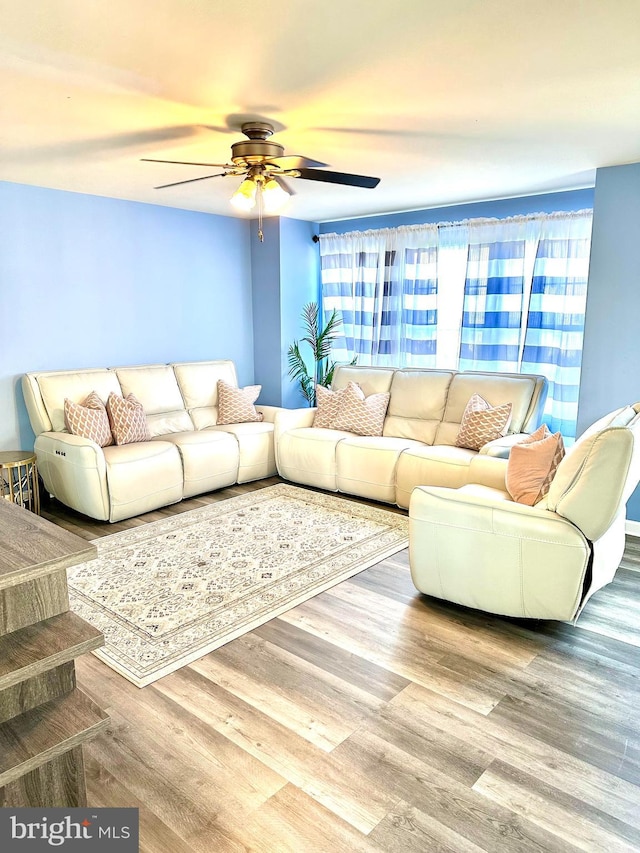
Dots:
{"x": 74, "y": 470}
{"x": 501, "y": 447}
{"x": 287, "y": 419}
{"x": 269, "y": 413}
{"x": 488, "y": 471}
{"x": 496, "y": 555}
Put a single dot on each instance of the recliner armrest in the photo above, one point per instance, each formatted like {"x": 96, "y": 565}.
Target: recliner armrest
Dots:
{"x": 501, "y": 447}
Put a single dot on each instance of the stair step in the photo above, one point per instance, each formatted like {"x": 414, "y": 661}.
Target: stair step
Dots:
{"x": 41, "y": 734}
{"x": 33, "y": 547}
{"x": 37, "y": 648}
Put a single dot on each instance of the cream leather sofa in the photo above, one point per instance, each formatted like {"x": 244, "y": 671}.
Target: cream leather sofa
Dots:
{"x": 189, "y": 453}
{"x": 418, "y": 442}
{"x": 476, "y": 547}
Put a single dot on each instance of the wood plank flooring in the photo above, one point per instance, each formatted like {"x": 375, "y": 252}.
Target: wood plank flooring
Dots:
{"x": 372, "y": 718}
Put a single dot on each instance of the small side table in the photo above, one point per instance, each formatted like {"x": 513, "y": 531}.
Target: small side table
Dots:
{"x": 19, "y": 479}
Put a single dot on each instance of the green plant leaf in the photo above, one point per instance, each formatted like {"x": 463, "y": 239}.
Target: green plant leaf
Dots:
{"x": 320, "y": 341}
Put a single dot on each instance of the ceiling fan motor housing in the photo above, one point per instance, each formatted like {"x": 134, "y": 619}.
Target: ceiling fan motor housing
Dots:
{"x": 257, "y": 149}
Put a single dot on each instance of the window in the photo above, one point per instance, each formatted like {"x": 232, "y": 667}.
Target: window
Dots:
{"x": 487, "y": 294}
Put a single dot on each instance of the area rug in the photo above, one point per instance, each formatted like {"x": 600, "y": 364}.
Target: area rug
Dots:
{"x": 166, "y": 593}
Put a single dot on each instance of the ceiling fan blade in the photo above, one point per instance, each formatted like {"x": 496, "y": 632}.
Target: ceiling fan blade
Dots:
{"x": 339, "y": 178}
{"x": 295, "y": 161}
{"x": 191, "y": 180}
{"x": 184, "y": 163}
{"x": 282, "y": 183}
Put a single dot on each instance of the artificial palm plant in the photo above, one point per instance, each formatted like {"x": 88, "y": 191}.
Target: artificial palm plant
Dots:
{"x": 320, "y": 341}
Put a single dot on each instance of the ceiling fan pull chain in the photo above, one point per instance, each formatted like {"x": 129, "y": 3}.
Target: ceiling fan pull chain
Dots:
{"x": 259, "y": 193}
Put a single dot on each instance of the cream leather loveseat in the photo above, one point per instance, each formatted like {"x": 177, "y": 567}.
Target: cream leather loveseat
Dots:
{"x": 188, "y": 453}
{"x": 418, "y": 442}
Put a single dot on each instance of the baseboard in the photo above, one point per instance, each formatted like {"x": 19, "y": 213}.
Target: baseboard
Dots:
{"x": 632, "y": 528}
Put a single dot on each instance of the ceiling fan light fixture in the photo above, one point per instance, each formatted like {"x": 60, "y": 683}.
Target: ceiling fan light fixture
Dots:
{"x": 274, "y": 196}
{"x": 244, "y": 198}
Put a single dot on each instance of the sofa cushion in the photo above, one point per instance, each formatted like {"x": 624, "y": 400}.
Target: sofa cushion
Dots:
{"x": 142, "y": 477}
{"x": 360, "y": 414}
{"x": 256, "y": 447}
{"x": 482, "y": 422}
{"x": 418, "y": 400}
{"x": 308, "y": 455}
{"x": 532, "y": 465}
{"x": 156, "y": 387}
{"x": 497, "y": 389}
{"x": 440, "y": 465}
{"x": 88, "y": 419}
{"x": 209, "y": 459}
{"x": 127, "y": 419}
{"x": 366, "y": 465}
{"x": 235, "y": 405}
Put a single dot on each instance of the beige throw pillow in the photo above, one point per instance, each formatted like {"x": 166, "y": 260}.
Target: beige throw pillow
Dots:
{"x": 327, "y": 403}
{"x": 532, "y": 465}
{"x": 127, "y": 418}
{"x": 482, "y": 422}
{"x": 88, "y": 419}
{"x": 235, "y": 405}
{"x": 360, "y": 414}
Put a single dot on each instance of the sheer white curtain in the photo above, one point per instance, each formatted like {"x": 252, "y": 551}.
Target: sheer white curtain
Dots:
{"x": 504, "y": 295}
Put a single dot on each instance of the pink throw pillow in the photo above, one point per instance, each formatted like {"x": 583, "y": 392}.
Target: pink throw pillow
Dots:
{"x": 482, "y": 422}
{"x": 88, "y": 419}
{"x": 127, "y": 418}
{"x": 532, "y": 465}
{"x": 359, "y": 414}
{"x": 235, "y": 405}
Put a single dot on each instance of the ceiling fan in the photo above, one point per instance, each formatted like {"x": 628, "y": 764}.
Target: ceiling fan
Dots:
{"x": 264, "y": 165}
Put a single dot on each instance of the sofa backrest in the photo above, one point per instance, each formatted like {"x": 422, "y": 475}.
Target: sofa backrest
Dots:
{"x": 198, "y": 383}
{"x": 598, "y": 474}
{"x": 156, "y": 387}
{"x": 417, "y": 404}
{"x": 372, "y": 380}
{"x": 45, "y": 392}
{"x": 175, "y": 397}
{"x": 525, "y": 392}
{"x": 427, "y": 404}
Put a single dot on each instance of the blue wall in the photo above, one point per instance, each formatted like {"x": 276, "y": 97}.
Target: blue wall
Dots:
{"x": 265, "y": 266}
{"x": 286, "y": 275}
{"x": 299, "y": 284}
{"x": 501, "y": 208}
{"x": 611, "y": 352}
{"x": 90, "y": 282}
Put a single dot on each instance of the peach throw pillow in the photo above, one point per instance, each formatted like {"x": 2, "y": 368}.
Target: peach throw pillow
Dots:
{"x": 532, "y": 465}
{"x": 360, "y": 414}
{"x": 127, "y": 418}
{"x": 482, "y": 422}
{"x": 88, "y": 419}
{"x": 327, "y": 403}
{"x": 235, "y": 405}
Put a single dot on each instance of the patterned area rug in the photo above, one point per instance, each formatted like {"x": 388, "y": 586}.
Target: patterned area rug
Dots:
{"x": 168, "y": 592}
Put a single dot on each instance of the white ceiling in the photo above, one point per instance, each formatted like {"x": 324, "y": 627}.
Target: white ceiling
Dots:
{"x": 444, "y": 101}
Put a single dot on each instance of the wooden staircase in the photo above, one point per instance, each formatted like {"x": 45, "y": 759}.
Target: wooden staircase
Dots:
{"x": 44, "y": 717}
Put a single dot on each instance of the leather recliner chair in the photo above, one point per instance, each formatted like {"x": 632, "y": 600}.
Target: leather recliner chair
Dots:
{"x": 477, "y": 547}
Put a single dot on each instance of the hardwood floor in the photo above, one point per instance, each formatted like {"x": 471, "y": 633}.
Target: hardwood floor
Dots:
{"x": 372, "y": 718}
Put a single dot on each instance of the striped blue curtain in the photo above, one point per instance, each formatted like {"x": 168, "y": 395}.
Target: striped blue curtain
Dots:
{"x": 505, "y": 295}
{"x": 493, "y": 296}
{"x": 383, "y": 285}
{"x": 555, "y": 322}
